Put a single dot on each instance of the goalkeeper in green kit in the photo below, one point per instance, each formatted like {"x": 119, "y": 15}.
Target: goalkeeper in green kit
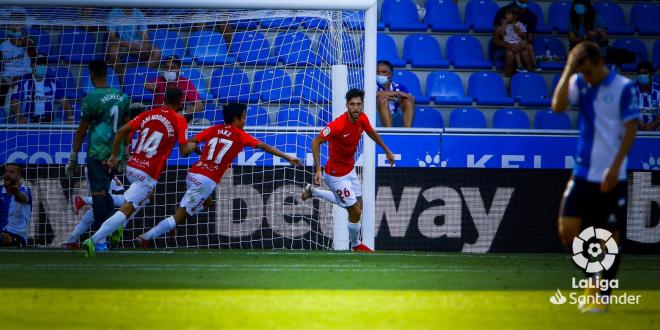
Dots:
{"x": 104, "y": 110}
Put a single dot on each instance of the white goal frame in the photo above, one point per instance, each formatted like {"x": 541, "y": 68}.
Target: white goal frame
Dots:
{"x": 370, "y": 8}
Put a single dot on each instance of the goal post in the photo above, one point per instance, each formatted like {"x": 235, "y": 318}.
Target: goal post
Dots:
{"x": 352, "y": 68}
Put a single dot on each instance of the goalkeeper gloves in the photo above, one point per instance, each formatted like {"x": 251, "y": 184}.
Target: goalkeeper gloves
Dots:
{"x": 121, "y": 167}
{"x": 72, "y": 169}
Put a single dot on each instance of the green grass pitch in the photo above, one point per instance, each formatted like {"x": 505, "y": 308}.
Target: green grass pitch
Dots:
{"x": 202, "y": 289}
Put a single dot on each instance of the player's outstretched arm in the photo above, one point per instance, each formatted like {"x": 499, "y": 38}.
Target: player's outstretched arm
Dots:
{"x": 376, "y": 137}
{"x": 276, "y": 152}
{"x": 71, "y": 168}
{"x": 190, "y": 147}
{"x": 316, "y": 148}
{"x": 119, "y": 139}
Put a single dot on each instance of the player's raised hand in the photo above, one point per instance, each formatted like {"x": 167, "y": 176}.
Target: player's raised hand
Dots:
{"x": 112, "y": 161}
{"x": 390, "y": 158}
{"x": 72, "y": 169}
{"x": 295, "y": 161}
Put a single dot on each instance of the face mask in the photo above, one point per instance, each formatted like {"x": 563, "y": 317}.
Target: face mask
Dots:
{"x": 169, "y": 75}
{"x": 382, "y": 80}
{"x": 522, "y": 5}
{"x": 40, "y": 71}
{"x": 644, "y": 79}
{"x": 15, "y": 34}
{"x": 580, "y": 9}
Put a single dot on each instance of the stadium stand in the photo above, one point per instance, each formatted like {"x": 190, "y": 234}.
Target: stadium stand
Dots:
{"x": 252, "y": 48}
{"x": 411, "y": 81}
{"x": 423, "y": 51}
{"x": 547, "y": 119}
{"x": 444, "y": 16}
{"x": 488, "y": 89}
{"x": 530, "y": 89}
{"x": 445, "y": 87}
{"x": 510, "y": 118}
{"x": 465, "y": 52}
{"x": 479, "y": 14}
{"x": 428, "y": 118}
{"x": 387, "y": 50}
{"x": 401, "y": 15}
{"x": 467, "y": 118}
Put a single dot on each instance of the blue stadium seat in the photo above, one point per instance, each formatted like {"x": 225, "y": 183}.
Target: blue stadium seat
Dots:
{"x": 428, "y": 118}
{"x": 467, "y": 118}
{"x": 634, "y": 45}
{"x": 66, "y": 80}
{"x": 75, "y": 47}
{"x": 423, "y": 51}
{"x": 170, "y": 43}
{"x": 295, "y": 116}
{"x": 552, "y": 45}
{"x": 445, "y": 87}
{"x": 541, "y": 27}
{"x": 411, "y": 81}
{"x": 656, "y": 53}
{"x": 274, "y": 85}
{"x": 530, "y": 89}
{"x": 212, "y": 113}
{"x": 310, "y": 22}
{"x": 244, "y": 24}
{"x": 86, "y": 83}
{"x": 314, "y": 85}
{"x": 231, "y": 85}
{"x": 134, "y": 79}
{"x": 386, "y": 50}
{"x": 488, "y": 88}
{"x": 547, "y": 119}
{"x": 257, "y": 116}
{"x": 209, "y": 48}
{"x": 325, "y": 116}
{"x": 401, "y": 15}
{"x": 443, "y": 16}
{"x": 510, "y": 118}
{"x": 644, "y": 18}
{"x": 41, "y": 40}
{"x": 464, "y": 52}
{"x": 613, "y": 15}
{"x": 279, "y": 23}
{"x": 479, "y": 15}
{"x": 352, "y": 54}
{"x": 252, "y": 48}
{"x": 294, "y": 48}
{"x": 353, "y": 20}
{"x": 196, "y": 77}
{"x": 559, "y": 16}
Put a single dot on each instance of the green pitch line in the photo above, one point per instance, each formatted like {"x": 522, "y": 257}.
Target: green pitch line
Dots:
{"x": 262, "y": 289}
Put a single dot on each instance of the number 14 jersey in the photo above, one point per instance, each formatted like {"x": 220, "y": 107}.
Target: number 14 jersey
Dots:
{"x": 223, "y": 143}
{"x": 159, "y": 129}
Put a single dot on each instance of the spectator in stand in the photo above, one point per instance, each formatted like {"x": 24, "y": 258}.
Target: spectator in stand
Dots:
{"x": 647, "y": 94}
{"x": 395, "y": 103}
{"x": 15, "y": 207}
{"x": 129, "y": 39}
{"x": 502, "y": 49}
{"x": 586, "y": 24}
{"x": 36, "y": 94}
{"x": 170, "y": 77}
{"x": 15, "y": 57}
{"x": 514, "y": 33}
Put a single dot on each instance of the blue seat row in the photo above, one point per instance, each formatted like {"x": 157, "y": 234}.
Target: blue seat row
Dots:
{"x": 444, "y": 16}
{"x": 504, "y": 119}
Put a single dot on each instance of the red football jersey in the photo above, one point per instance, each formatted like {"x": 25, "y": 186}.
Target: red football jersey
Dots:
{"x": 344, "y": 138}
{"x": 159, "y": 129}
{"x": 222, "y": 145}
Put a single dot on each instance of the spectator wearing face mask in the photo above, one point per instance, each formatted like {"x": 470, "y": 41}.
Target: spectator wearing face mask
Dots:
{"x": 34, "y": 100}
{"x": 170, "y": 77}
{"x": 16, "y": 52}
{"x": 647, "y": 94}
{"x": 395, "y": 103}
{"x": 586, "y": 24}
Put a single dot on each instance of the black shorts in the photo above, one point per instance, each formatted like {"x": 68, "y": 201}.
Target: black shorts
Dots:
{"x": 98, "y": 175}
{"x": 583, "y": 199}
{"x": 18, "y": 240}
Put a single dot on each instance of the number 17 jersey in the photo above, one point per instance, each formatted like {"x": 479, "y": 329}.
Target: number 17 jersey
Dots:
{"x": 223, "y": 143}
{"x": 159, "y": 129}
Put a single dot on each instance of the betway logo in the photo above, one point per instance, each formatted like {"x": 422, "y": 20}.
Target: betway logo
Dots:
{"x": 447, "y": 204}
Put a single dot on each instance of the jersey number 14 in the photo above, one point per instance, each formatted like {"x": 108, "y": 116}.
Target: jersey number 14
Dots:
{"x": 149, "y": 143}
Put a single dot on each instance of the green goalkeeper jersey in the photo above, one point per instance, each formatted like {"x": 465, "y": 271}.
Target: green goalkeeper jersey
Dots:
{"x": 104, "y": 109}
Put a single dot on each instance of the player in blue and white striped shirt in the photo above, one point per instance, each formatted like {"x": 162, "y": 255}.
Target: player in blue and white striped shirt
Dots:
{"x": 15, "y": 208}
{"x": 647, "y": 93}
{"x": 596, "y": 194}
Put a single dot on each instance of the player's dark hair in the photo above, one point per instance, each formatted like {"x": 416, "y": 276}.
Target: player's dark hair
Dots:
{"x": 645, "y": 65}
{"x": 20, "y": 167}
{"x": 98, "y": 68}
{"x": 387, "y": 64}
{"x": 354, "y": 92}
{"x": 232, "y": 111}
{"x": 590, "y": 51}
{"x": 173, "y": 96}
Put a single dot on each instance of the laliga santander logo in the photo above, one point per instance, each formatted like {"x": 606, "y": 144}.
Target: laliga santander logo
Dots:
{"x": 594, "y": 250}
